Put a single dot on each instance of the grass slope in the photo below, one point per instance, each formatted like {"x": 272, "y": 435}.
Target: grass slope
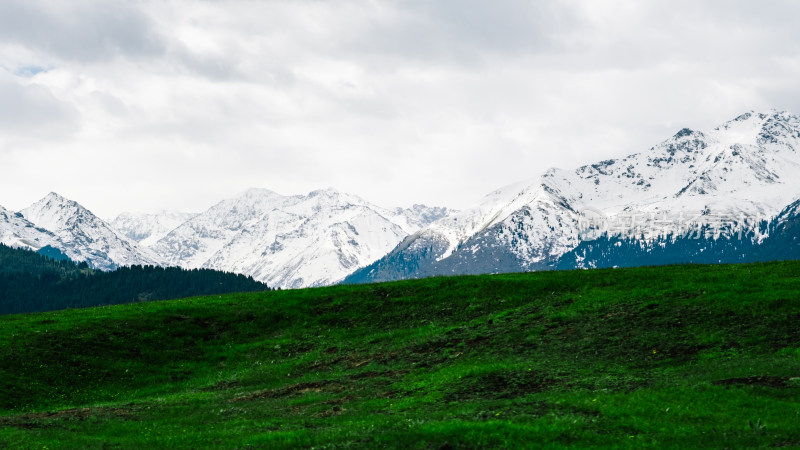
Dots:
{"x": 680, "y": 356}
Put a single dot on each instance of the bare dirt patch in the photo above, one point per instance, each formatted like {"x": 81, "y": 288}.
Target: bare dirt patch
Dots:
{"x": 294, "y": 389}
{"x": 761, "y": 380}
{"x": 222, "y": 386}
{"x": 45, "y": 418}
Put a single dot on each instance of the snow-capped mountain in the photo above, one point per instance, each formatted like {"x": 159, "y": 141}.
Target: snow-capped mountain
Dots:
{"x": 783, "y": 236}
{"x": 147, "y": 229}
{"x": 778, "y": 239}
{"x": 734, "y": 180}
{"x": 82, "y": 236}
{"x": 419, "y": 216}
{"x": 18, "y": 232}
{"x": 743, "y": 172}
{"x": 291, "y": 241}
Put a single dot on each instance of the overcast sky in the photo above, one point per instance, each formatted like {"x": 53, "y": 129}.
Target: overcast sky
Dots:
{"x": 148, "y": 105}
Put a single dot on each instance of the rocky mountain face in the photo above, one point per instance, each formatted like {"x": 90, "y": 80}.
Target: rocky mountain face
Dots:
{"x": 16, "y": 231}
{"x": 777, "y": 239}
{"x": 291, "y": 241}
{"x": 783, "y": 236}
{"x": 286, "y": 241}
{"x": 147, "y": 229}
{"x": 725, "y": 195}
{"x": 82, "y": 236}
{"x": 733, "y": 177}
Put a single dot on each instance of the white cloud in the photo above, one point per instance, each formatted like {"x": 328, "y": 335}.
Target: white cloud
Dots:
{"x": 30, "y": 112}
{"x": 79, "y": 30}
{"x": 145, "y": 105}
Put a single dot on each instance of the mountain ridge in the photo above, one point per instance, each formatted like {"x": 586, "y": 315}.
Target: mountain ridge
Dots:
{"x": 84, "y": 237}
{"x": 16, "y": 231}
{"x": 147, "y": 228}
{"x": 229, "y": 236}
{"x": 740, "y": 173}
{"x": 742, "y": 169}
{"x": 291, "y": 241}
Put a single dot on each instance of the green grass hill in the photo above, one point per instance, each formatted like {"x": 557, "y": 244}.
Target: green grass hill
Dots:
{"x": 668, "y": 357}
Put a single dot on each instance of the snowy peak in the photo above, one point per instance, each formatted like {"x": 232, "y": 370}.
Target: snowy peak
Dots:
{"x": 692, "y": 166}
{"x": 310, "y": 240}
{"x": 328, "y": 198}
{"x": 745, "y": 168}
{"x": 327, "y": 193}
{"x": 419, "y": 216}
{"x": 792, "y": 211}
{"x": 255, "y": 196}
{"x": 82, "y": 235}
{"x": 752, "y": 128}
{"x": 235, "y": 213}
{"x": 147, "y": 229}
{"x": 291, "y": 241}
{"x": 18, "y": 232}
{"x": 192, "y": 243}
{"x": 54, "y": 212}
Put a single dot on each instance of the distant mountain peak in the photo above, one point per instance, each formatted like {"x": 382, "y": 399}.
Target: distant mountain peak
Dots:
{"x": 254, "y": 192}
{"x": 54, "y": 199}
{"x": 759, "y": 119}
{"x": 325, "y": 191}
{"x": 333, "y": 196}
{"x": 291, "y": 241}
{"x": 53, "y": 211}
{"x": 746, "y": 168}
{"x": 18, "y": 232}
{"x": 82, "y": 235}
{"x": 146, "y": 229}
{"x": 53, "y": 195}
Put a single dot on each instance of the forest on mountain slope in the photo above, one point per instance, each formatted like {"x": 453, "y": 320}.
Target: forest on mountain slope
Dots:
{"x": 31, "y": 282}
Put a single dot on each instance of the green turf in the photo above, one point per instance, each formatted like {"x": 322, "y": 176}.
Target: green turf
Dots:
{"x": 675, "y": 357}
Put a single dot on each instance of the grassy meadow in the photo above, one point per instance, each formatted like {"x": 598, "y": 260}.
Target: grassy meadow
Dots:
{"x": 668, "y": 357}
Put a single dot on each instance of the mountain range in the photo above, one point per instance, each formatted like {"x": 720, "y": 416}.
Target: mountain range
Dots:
{"x": 291, "y": 241}
{"x": 728, "y": 180}
{"x": 59, "y": 227}
{"x": 724, "y": 195}
{"x": 147, "y": 229}
{"x": 284, "y": 241}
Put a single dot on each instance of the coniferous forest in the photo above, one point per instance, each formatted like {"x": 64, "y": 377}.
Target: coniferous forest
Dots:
{"x": 30, "y": 282}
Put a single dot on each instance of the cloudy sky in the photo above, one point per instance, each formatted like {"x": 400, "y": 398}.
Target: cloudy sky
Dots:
{"x": 143, "y": 105}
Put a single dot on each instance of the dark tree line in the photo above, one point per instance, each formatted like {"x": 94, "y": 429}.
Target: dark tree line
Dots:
{"x": 780, "y": 241}
{"x": 30, "y": 282}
